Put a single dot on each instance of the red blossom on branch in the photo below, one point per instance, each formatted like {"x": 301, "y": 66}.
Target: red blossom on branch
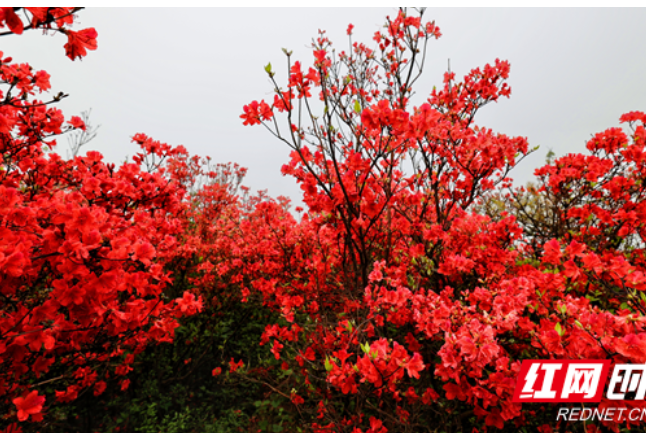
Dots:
{"x": 29, "y": 405}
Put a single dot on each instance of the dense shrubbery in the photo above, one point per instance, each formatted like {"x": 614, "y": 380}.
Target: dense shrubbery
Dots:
{"x": 162, "y": 296}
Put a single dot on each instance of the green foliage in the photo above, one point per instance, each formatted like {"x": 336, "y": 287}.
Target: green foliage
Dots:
{"x": 172, "y": 388}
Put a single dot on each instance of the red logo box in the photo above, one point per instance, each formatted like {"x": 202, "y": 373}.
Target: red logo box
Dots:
{"x": 581, "y": 380}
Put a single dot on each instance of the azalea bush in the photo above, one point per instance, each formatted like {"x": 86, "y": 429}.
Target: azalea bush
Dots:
{"x": 83, "y": 244}
{"x": 403, "y": 297}
{"x": 415, "y": 310}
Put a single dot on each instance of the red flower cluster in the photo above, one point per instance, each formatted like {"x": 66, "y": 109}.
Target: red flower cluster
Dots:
{"x": 409, "y": 290}
{"x": 83, "y": 244}
{"x": 396, "y": 288}
{"x": 54, "y": 19}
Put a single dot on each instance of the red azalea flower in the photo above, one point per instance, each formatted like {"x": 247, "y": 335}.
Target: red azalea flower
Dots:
{"x": 79, "y": 42}
{"x": 29, "y": 405}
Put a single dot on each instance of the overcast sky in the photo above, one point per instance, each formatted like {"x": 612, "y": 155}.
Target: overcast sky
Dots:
{"x": 183, "y": 75}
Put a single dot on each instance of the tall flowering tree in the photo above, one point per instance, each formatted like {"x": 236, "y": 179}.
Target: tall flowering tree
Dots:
{"x": 404, "y": 309}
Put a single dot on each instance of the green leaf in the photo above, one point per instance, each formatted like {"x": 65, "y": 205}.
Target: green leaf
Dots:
{"x": 559, "y": 329}
{"x": 357, "y": 107}
{"x": 539, "y": 293}
{"x": 328, "y": 364}
{"x": 268, "y": 68}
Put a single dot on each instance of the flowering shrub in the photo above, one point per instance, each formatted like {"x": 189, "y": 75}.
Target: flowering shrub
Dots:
{"x": 82, "y": 244}
{"x": 404, "y": 298}
{"x": 414, "y": 311}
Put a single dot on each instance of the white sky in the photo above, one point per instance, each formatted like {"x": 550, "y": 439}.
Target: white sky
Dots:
{"x": 183, "y": 75}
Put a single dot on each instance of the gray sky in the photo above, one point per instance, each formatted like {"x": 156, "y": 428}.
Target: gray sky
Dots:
{"x": 183, "y": 75}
